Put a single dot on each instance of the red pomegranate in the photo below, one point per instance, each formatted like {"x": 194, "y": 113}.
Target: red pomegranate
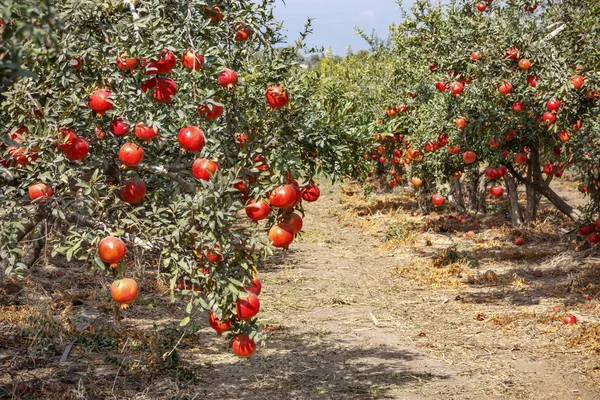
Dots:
{"x": 549, "y": 118}
{"x": 532, "y": 80}
{"x": 98, "y": 101}
{"x": 293, "y": 220}
{"x": 78, "y": 151}
{"x": 203, "y": 169}
{"x": 243, "y": 32}
{"x": 496, "y": 191}
{"x": 276, "y": 96}
{"x": 440, "y": 86}
{"x": 214, "y": 14}
{"x": 127, "y": 64}
{"x": 243, "y": 346}
{"x": 258, "y": 210}
{"x": 491, "y": 174}
{"x": 111, "y": 250}
{"x": 118, "y": 127}
{"x": 481, "y": 6}
{"x": 228, "y": 78}
{"x": 39, "y": 191}
{"x": 124, "y": 292}
{"x": 438, "y": 200}
{"x": 283, "y": 196}
{"x": 553, "y": 105}
{"x": 133, "y": 191}
{"x": 164, "y": 89}
{"x": 255, "y": 286}
{"x": 518, "y": 106}
{"x": 66, "y": 138}
{"x": 520, "y": 158}
{"x": 505, "y": 88}
{"x": 247, "y": 306}
{"x": 281, "y": 235}
{"x": 461, "y": 123}
{"x": 191, "y": 138}
{"x": 501, "y": 170}
{"x": 210, "y": 109}
{"x": 217, "y": 325}
{"x": 311, "y": 193}
{"x": 145, "y": 132}
{"x": 131, "y": 154}
{"x": 192, "y": 60}
{"x": 469, "y": 157}
{"x": 164, "y": 65}
{"x": 577, "y": 81}
{"x": 456, "y": 88}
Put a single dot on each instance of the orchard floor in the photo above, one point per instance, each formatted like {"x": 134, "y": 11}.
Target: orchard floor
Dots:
{"x": 352, "y": 313}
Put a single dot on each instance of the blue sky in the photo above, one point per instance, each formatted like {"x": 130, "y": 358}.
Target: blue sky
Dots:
{"x": 334, "y": 20}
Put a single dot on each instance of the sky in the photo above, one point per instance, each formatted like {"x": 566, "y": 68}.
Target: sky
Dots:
{"x": 335, "y": 20}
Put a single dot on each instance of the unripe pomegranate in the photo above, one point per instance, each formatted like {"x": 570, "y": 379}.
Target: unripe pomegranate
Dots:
{"x": 191, "y": 138}
{"x": 228, "y": 78}
{"x": 98, "y": 101}
{"x": 133, "y": 191}
{"x": 131, "y": 155}
{"x": 111, "y": 250}
{"x": 124, "y": 292}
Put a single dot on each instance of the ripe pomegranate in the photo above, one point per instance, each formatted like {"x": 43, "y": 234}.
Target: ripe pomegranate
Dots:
{"x": 243, "y": 32}
{"x": 512, "y": 53}
{"x": 594, "y": 238}
{"x": 145, "y": 132}
{"x": 191, "y": 138}
{"x": 283, "y": 196}
{"x": 203, "y": 168}
{"x": 433, "y": 67}
{"x": 496, "y": 191}
{"x": 298, "y": 199}
{"x": 475, "y": 56}
{"x": 440, "y": 86}
{"x": 293, "y": 220}
{"x": 402, "y": 108}
{"x": 276, "y": 96}
{"x": 553, "y": 105}
{"x": 519, "y": 241}
{"x": 127, "y": 64}
{"x": 214, "y": 14}
{"x": 524, "y": 64}
{"x": 39, "y": 191}
{"x": 133, "y": 191}
{"x": 311, "y": 193}
{"x": 78, "y": 151}
{"x": 549, "y": 118}
{"x": 481, "y": 6}
{"x": 131, "y": 155}
{"x": 258, "y": 210}
{"x": 518, "y": 106}
{"x": 218, "y": 326}
{"x": 597, "y": 224}
{"x": 255, "y": 286}
{"x": 495, "y": 143}
{"x": 438, "y": 200}
{"x": 456, "y": 88}
{"x": 192, "y": 60}
{"x": 247, "y": 307}
{"x": 461, "y": 123}
{"x": 491, "y": 174}
{"x": 243, "y": 346}
{"x": 501, "y": 171}
{"x": 584, "y": 230}
{"x": 532, "y": 80}
{"x": 210, "y": 109}
{"x": 124, "y": 292}
{"x": 66, "y": 138}
{"x": 98, "y": 101}
{"x": 164, "y": 89}
{"x": 111, "y": 250}
{"x": 228, "y": 78}
{"x": 281, "y": 235}
{"x": 416, "y": 181}
{"x": 164, "y": 65}
{"x": 577, "y": 81}
{"x": 505, "y": 88}
{"x": 118, "y": 127}
{"x": 520, "y": 158}
{"x": 548, "y": 169}
{"x": 469, "y": 157}
{"x": 569, "y": 319}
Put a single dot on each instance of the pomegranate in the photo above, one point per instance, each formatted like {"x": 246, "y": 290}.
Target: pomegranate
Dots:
{"x": 440, "y": 86}
{"x": 118, "y": 127}
{"x": 553, "y": 105}
{"x": 456, "y": 88}
{"x": 416, "y": 181}
{"x": 133, "y": 191}
{"x": 111, "y": 250}
{"x": 549, "y": 118}
{"x": 66, "y": 138}
{"x": 145, "y": 132}
{"x": 511, "y": 53}
{"x": 569, "y": 319}
{"x": 519, "y": 241}
{"x": 215, "y": 15}
{"x": 518, "y": 106}
{"x": 98, "y": 101}
{"x": 438, "y": 200}
{"x": 496, "y": 191}
{"x": 218, "y": 326}
{"x": 242, "y": 32}
{"x": 491, "y": 174}
{"x": 78, "y": 151}
{"x": 564, "y": 136}
{"x": 243, "y": 346}
{"x": 255, "y": 286}
{"x": 594, "y": 238}
{"x": 39, "y": 191}
{"x": 475, "y": 56}
{"x": 532, "y": 80}
{"x": 127, "y": 64}
{"x": 228, "y": 78}
{"x": 505, "y": 88}
{"x": 501, "y": 171}
{"x": 520, "y": 158}
{"x": 192, "y": 60}
{"x": 311, "y": 193}
{"x": 211, "y": 110}
{"x": 293, "y": 220}
{"x": 258, "y": 210}
{"x": 164, "y": 65}
{"x": 191, "y": 138}
{"x": 203, "y": 168}
{"x": 131, "y": 155}
{"x": 524, "y": 64}
{"x": 481, "y": 6}
{"x": 276, "y": 96}
{"x": 281, "y": 235}
{"x": 577, "y": 81}
{"x": 124, "y": 292}
{"x": 247, "y": 306}
{"x": 164, "y": 89}
{"x": 461, "y": 123}
{"x": 548, "y": 169}
{"x": 469, "y": 157}
{"x": 283, "y": 196}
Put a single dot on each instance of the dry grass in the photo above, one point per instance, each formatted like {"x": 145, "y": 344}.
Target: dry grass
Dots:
{"x": 587, "y": 338}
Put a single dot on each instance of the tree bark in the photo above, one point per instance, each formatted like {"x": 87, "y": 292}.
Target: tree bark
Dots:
{"x": 516, "y": 216}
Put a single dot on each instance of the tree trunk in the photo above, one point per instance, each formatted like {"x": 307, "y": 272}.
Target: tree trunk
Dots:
{"x": 516, "y": 216}
{"x": 456, "y": 195}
